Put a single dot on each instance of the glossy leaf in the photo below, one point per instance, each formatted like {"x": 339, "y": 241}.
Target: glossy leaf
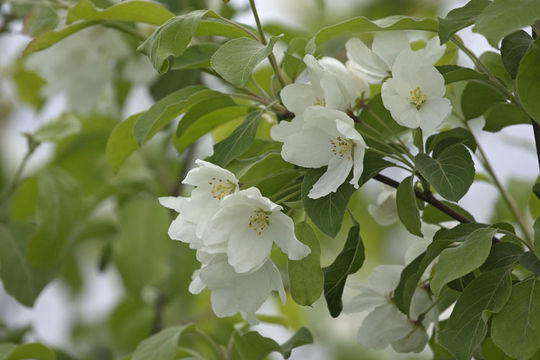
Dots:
{"x": 451, "y": 173}
{"x": 326, "y": 212}
{"x": 49, "y": 38}
{"x": 438, "y": 142}
{"x": 161, "y": 345}
{"x": 360, "y": 25}
{"x": 502, "y": 254}
{"x": 132, "y": 11}
{"x": 236, "y": 59}
{"x": 432, "y": 215}
{"x": 239, "y": 141}
{"x": 467, "y": 326}
{"x": 530, "y": 262}
{"x": 519, "y": 321}
{"x": 254, "y": 346}
{"x": 477, "y": 98}
{"x": 373, "y": 165}
{"x": 407, "y": 207}
{"x": 121, "y": 143}
{"x": 305, "y": 275}
{"x": 462, "y": 259}
{"x": 349, "y": 261}
{"x": 460, "y": 18}
{"x": 502, "y": 115}
{"x": 196, "y": 56}
{"x": 516, "y": 15}
{"x": 528, "y": 79}
{"x": 513, "y": 48}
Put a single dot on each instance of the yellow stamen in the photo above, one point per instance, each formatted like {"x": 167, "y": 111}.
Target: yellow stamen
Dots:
{"x": 321, "y": 102}
{"x": 342, "y": 147}
{"x": 417, "y": 97}
{"x": 259, "y": 220}
{"x": 221, "y": 188}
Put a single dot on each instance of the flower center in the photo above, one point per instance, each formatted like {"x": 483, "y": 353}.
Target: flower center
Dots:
{"x": 321, "y": 102}
{"x": 259, "y": 220}
{"x": 221, "y": 188}
{"x": 341, "y": 147}
{"x": 417, "y": 97}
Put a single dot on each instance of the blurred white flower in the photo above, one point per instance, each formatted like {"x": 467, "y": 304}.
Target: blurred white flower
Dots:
{"x": 330, "y": 85}
{"x": 385, "y": 324}
{"x": 384, "y": 212}
{"x": 237, "y": 293}
{"x": 326, "y": 137}
{"x": 414, "y": 94}
{"x": 375, "y": 64}
{"x": 247, "y": 224}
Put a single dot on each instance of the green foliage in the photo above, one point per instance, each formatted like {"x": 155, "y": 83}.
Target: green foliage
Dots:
{"x": 451, "y": 173}
{"x": 530, "y": 262}
{"x": 64, "y": 126}
{"x": 438, "y": 142}
{"x": 239, "y": 141}
{"x": 462, "y": 259}
{"x": 477, "y": 98}
{"x": 132, "y": 11}
{"x": 196, "y": 56}
{"x": 517, "y": 15}
{"x": 502, "y": 115}
{"x": 528, "y": 80}
{"x": 237, "y": 58}
{"x": 349, "y": 261}
{"x": 35, "y": 351}
{"x": 40, "y": 19}
{"x": 121, "y": 143}
{"x": 252, "y": 345}
{"x": 513, "y": 48}
{"x": 432, "y": 215}
{"x": 407, "y": 207}
{"x": 460, "y": 18}
{"x": 161, "y": 345}
{"x": 467, "y": 326}
{"x": 455, "y": 73}
{"x": 306, "y": 276}
{"x": 518, "y": 321}
{"x": 49, "y": 38}
{"x": 326, "y": 212}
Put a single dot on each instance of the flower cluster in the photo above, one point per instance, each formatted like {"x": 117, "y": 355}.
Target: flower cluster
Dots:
{"x": 322, "y": 133}
{"x": 233, "y": 232}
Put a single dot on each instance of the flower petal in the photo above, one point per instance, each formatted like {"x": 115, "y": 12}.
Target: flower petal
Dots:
{"x": 281, "y": 229}
{"x": 309, "y": 148}
{"x": 386, "y": 277}
{"x": 415, "y": 341}
{"x": 368, "y": 298}
{"x": 388, "y": 44}
{"x": 433, "y": 113}
{"x": 336, "y": 174}
{"x": 365, "y": 61}
{"x": 281, "y": 131}
{"x": 297, "y": 97}
{"x": 247, "y": 250}
{"x": 384, "y": 325}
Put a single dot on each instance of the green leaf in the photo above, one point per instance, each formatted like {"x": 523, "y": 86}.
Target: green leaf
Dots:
{"x": 162, "y": 345}
{"x": 349, "y": 261}
{"x": 451, "y": 173}
{"x": 407, "y": 207}
{"x": 467, "y": 326}
{"x": 58, "y": 206}
{"x": 35, "y": 351}
{"x": 373, "y": 164}
{"x": 528, "y": 80}
{"x": 502, "y": 115}
{"x": 23, "y": 202}
{"x": 253, "y": 346}
{"x": 438, "y": 142}
{"x": 292, "y": 65}
{"x": 236, "y": 59}
{"x": 20, "y": 278}
{"x": 516, "y": 328}
{"x": 132, "y": 11}
{"x": 29, "y": 86}
{"x": 458, "y": 233}
{"x": 301, "y": 337}
{"x": 477, "y": 98}
{"x": 513, "y": 48}
{"x": 142, "y": 247}
{"x": 460, "y": 18}
{"x": 121, "y": 142}
{"x": 516, "y": 15}
{"x": 502, "y": 254}
{"x": 326, "y": 212}
{"x": 306, "y": 276}
{"x": 455, "y": 73}
{"x": 196, "y": 56}
{"x": 530, "y": 262}
{"x": 462, "y": 259}
{"x": 359, "y": 25}
{"x": 49, "y": 38}
{"x": 239, "y": 141}
{"x": 65, "y": 125}
{"x": 432, "y": 215}
{"x": 536, "y": 227}
{"x": 41, "y": 18}
{"x": 492, "y": 352}
{"x": 166, "y": 109}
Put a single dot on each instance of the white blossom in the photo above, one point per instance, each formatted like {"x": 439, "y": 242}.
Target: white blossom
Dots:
{"x": 326, "y": 137}
{"x": 385, "y": 324}
{"x": 385, "y": 210}
{"x": 414, "y": 94}
{"x": 376, "y": 64}
{"x": 232, "y": 292}
{"x": 247, "y": 224}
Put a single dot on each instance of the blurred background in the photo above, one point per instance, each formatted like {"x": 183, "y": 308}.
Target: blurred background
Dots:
{"x": 108, "y": 291}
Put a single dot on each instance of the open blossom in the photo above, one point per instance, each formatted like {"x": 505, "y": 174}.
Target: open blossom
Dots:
{"x": 237, "y": 293}
{"x": 414, "y": 94}
{"x": 385, "y": 210}
{"x": 247, "y": 224}
{"x": 326, "y": 138}
{"x": 385, "y": 324}
{"x": 330, "y": 85}
{"x": 376, "y": 64}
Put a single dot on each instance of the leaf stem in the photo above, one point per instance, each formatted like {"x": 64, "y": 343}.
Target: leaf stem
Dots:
{"x": 271, "y": 57}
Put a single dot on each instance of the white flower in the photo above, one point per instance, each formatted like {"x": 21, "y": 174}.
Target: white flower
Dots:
{"x": 248, "y": 224}
{"x": 385, "y": 324}
{"x": 376, "y": 64}
{"x": 385, "y": 211}
{"x": 212, "y": 183}
{"x": 233, "y": 292}
{"x": 331, "y": 85}
{"x": 414, "y": 94}
{"x": 326, "y": 138}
